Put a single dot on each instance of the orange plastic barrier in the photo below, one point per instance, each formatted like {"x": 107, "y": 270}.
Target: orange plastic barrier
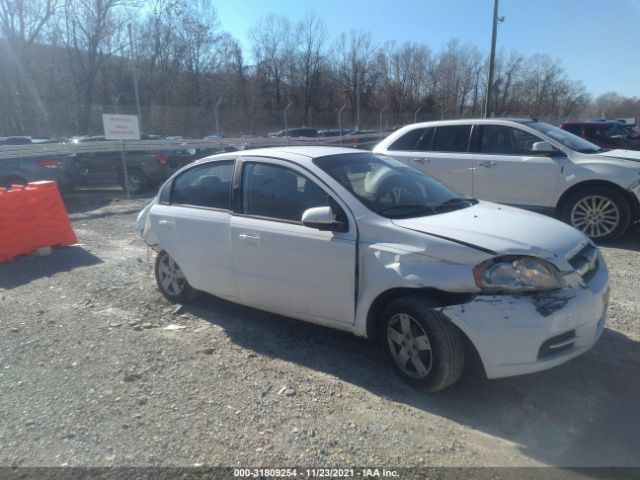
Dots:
{"x": 32, "y": 217}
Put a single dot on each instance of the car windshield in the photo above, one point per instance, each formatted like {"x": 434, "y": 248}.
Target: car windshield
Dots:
{"x": 567, "y": 139}
{"x": 390, "y": 188}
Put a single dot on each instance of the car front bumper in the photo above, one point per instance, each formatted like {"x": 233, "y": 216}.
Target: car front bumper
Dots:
{"x": 515, "y": 335}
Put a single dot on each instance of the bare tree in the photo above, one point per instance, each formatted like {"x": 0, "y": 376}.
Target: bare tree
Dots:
{"x": 311, "y": 34}
{"x": 354, "y": 54}
{"x": 273, "y": 45}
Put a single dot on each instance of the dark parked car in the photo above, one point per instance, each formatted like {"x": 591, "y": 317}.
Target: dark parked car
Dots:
{"x": 179, "y": 158}
{"x": 145, "y": 169}
{"x": 609, "y": 134}
{"x": 20, "y": 171}
{"x": 296, "y": 132}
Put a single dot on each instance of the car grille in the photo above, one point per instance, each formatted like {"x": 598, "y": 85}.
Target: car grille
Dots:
{"x": 585, "y": 261}
{"x": 557, "y": 344}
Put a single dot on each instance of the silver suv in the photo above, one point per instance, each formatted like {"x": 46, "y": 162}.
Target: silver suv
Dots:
{"x": 529, "y": 164}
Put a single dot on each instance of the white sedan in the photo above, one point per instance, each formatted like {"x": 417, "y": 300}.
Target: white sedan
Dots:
{"x": 360, "y": 242}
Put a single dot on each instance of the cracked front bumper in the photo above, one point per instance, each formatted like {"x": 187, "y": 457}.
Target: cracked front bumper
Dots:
{"x": 512, "y": 333}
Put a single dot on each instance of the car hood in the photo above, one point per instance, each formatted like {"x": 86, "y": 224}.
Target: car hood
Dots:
{"x": 503, "y": 230}
{"x": 621, "y": 154}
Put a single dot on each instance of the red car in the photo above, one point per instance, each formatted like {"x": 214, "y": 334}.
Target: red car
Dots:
{"x": 606, "y": 134}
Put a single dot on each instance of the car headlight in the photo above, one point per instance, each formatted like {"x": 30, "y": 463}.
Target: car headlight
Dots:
{"x": 511, "y": 274}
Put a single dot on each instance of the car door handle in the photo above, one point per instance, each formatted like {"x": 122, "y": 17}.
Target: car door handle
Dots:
{"x": 421, "y": 160}
{"x": 250, "y": 238}
{"x": 167, "y": 223}
{"x": 488, "y": 163}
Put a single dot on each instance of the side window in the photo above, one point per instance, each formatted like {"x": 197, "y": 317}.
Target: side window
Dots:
{"x": 575, "y": 129}
{"x": 452, "y": 138}
{"x": 278, "y": 192}
{"x": 207, "y": 185}
{"x": 417, "y": 139}
{"x": 503, "y": 140}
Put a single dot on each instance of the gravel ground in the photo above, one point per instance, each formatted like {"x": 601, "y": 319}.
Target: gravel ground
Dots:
{"x": 90, "y": 376}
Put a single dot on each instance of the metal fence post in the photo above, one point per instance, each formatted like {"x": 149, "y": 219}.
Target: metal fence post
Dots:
{"x": 123, "y": 157}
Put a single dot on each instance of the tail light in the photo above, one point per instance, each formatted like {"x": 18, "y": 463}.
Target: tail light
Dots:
{"x": 161, "y": 159}
{"x": 49, "y": 163}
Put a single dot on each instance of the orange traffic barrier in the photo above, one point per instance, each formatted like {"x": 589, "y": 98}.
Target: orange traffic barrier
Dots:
{"x": 32, "y": 217}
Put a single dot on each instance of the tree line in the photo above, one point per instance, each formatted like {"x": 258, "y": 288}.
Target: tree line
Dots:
{"x": 64, "y": 62}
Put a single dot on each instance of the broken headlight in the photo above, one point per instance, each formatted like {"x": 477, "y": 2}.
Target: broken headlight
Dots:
{"x": 516, "y": 275}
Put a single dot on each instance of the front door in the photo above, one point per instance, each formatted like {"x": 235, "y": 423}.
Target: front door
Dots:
{"x": 508, "y": 170}
{"x": 281, "y": 265}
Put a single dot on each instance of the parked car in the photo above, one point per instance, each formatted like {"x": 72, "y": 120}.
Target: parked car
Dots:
{"x": 179, "y": 158}
{"x": 360, "y": 242}
{"x": 606, "y": 134}
{"x": 295, "y": 132}
{"x": 334, "y": 132}
{"x": 22, "y": 170}
{"x": 530, "y": 164}
{"x": 145, "y": 169}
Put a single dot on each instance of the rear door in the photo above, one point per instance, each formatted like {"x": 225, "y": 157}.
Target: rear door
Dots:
{"x": 508, "y": 170}
{"x": 282, "y": 265}
{"x": 191, "y": 223}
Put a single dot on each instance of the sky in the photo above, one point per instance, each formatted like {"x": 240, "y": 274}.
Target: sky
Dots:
{"x": 596, "y": 41}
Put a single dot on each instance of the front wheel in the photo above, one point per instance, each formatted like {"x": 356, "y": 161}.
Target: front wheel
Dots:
{"x": 601, "y": 213}
{"x": 424, "y": 347}
{"x": 171, "y": 281}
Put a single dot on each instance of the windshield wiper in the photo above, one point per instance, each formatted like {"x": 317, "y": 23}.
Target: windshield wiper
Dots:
{"x": 412, "y": 210}
{"x": 454, "y": 203}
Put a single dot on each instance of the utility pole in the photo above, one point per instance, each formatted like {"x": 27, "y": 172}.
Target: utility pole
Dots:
{"x": 492, "y": 60}
{"x": 135, "y": 78}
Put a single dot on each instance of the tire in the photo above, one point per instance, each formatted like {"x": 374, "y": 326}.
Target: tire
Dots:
{"x": 601, "y": 213}
{"x": 171, "y": 281}
{"x": 7, "y": 182}
{"x": 138, "y": 181}
{"x": 411, "y": 325}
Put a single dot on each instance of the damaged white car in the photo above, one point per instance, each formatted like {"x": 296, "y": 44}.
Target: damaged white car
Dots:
{"x": 360, "y": 242}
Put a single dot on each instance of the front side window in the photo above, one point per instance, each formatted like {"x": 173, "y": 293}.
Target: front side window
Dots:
{"x": 278, "y": 192}
{"x": 207, "y": 185}
{"x": 499, "y": 139}
{"x": 452, "y": 138}
{"x": 390, "y": 188}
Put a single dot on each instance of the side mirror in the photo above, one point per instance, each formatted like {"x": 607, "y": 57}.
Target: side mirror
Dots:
{"x": 320, "y": 218}
{"x": 545, "y": 147}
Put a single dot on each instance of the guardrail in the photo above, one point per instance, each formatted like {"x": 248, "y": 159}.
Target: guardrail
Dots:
{"x": 241, "y": 143}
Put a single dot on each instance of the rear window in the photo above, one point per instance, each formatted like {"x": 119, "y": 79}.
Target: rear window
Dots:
{"x": 416, "y": 139}
{"x": 207, "y": 185}
{"x": 452, "y": 138}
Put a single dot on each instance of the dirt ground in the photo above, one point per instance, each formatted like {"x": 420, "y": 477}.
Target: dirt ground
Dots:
{"x": 89, "y": 376}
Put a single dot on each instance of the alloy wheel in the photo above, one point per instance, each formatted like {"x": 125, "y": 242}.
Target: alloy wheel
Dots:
{"x": 409, "y": 346}
{"x": 595, "y": 215}
{"x": 171, "y": 277}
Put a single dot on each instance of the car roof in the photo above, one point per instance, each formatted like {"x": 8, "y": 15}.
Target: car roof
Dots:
{"x": 465, "y": 121}
{"x": 298, "y": 154}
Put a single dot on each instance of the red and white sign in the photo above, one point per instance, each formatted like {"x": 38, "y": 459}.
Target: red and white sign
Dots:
{"x": 121, "y": 127}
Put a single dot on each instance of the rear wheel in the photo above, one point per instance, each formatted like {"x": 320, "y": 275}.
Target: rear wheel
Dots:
{"x": 171, "y": 281}
{"x": 138, "y": 182}
{"x": 424, "y": 347}
{"x": 601, "y": 213}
